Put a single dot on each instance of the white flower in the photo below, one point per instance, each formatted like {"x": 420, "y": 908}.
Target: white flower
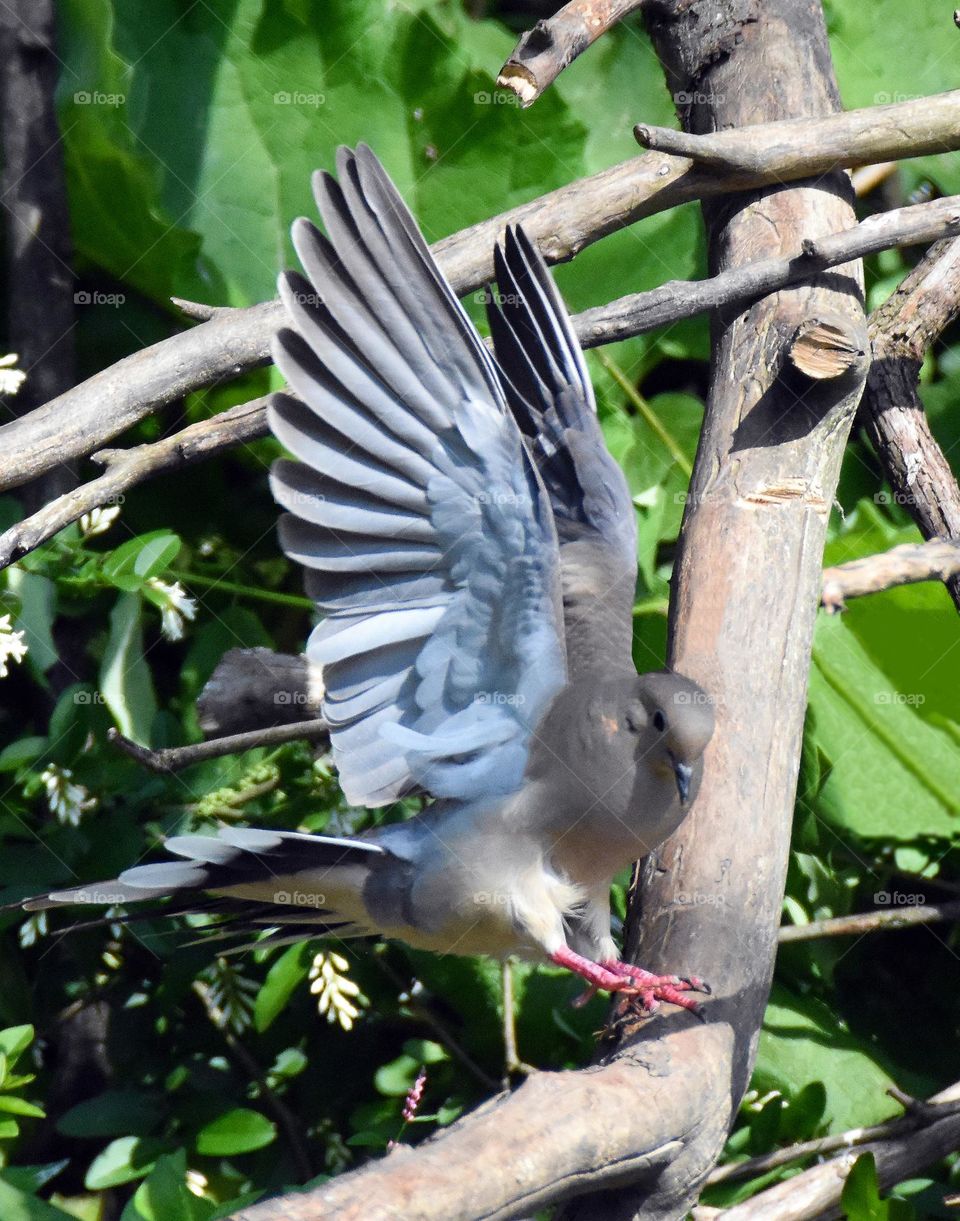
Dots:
{"x": 175, "y": 606}
{"x": 333, "y": 987}
{"x": 10, "y": 379}
{"x": 99, "y": 520}
{"x": 33, "y": 929}
{"x": 67, "y": 800}
{"x": 11, "y": 644}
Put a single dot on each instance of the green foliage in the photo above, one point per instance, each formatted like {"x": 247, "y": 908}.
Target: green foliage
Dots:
{"x": 189, "y": 134}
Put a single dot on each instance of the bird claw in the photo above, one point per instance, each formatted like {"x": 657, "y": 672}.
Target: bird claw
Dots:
{"x": 642, "y": 992}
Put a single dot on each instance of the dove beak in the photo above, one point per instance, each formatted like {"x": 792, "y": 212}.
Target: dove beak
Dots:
{"x": 683, "y": 772}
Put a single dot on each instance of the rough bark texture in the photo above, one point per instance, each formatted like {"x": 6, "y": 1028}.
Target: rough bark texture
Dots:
{"x": 747, "y": 580}
{"x": 747, "y": 588}
{"x": 900, "y": 332}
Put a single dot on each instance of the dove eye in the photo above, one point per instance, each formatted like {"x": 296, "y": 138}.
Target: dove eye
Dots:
{"x": 659, "y": 721}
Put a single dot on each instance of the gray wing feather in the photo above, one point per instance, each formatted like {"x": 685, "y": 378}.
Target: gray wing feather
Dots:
{"x": 548, "y": 389}
{"x": 426, "y": 533}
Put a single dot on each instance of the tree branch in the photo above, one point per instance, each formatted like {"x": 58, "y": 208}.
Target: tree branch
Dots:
{"x": 171, "y": 759}
{"x": 932, "y": 1111}
{"x": 936, "y": 560}
{"x": 554, "y": 43}
{"x": 900, "y": 332}
{"x": 816, "y": 1192}
{"x": 871, "y": 922}
{"x": 914, "y": 128}
{"x": 562, "y": 223}
{"x": 635, "y": 314}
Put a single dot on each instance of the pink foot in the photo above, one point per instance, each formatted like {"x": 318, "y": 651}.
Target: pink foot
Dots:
{"x": 636, "y": 986}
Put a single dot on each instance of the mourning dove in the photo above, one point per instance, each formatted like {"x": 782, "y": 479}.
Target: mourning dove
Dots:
{"x": 471, "y": 547}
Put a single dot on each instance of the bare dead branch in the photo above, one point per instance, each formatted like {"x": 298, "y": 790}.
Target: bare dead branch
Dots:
{"x": 936, "y": 560}
{"x": 904, "y": 129}
{"x": 635, "y": 314}
{"x": 170, "y": 759}
{"x": 900, "y": 1126}
{"x": 543, "y": 52}
{"x": 871, "y": 922}
{"x": 900, "y": 332}
{"x": 125, "y": 468}
{"x": 562, "y": 222}
{"x": 816, "y": 1192}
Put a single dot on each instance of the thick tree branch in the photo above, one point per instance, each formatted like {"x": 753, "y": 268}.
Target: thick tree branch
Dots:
{"x": 635, "y": 314}
{"x": 554, "y": 43}
{"x": 753, "y": 533}
{"x": 916, "y": 128}
{"x": 900, "y": 332}
{"x": 936, "y": 560}
{"x": 562, "y": 222}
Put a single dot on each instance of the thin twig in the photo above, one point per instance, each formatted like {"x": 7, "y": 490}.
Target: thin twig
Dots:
{"x": 172, "y": 759}
{"x": 840, "y": 140}
{"x": 635, "y": 314}
{"x": 936, "y": 560}
{"x": 563, "y": 223}
{"x": 555, "y": 42}
{"x": 443, "y": 1033}
{"x": 288, "y": 1122}
{"x": 893, "y": 1128}
{"x": 871, "y": 922}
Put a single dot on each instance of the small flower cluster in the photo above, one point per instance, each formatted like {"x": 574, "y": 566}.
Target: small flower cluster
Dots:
{"x": 11, "y": 645}
{"x": 335, "y": 990}
{"x": 175, "y": 605}
{"x": 67, "y": 800}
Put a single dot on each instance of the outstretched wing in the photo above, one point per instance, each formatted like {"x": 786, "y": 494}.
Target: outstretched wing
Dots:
{"x": 549, "y": 392}
{"x": 427, "y": 536}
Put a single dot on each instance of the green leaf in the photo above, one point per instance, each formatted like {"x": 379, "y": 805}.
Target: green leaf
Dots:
{"x": 13, "y": 1105}
{"x": 801, "y": 1042}
{"x": 38, "y": 609}
{"x": 893, "y": 774}
{"x": 21, "y": 752}
{"x": 16, "y": 1205}
{"x": 15, "y": 1040}
{"x": 238, "y": 1131}
{"x": 125, "y": 679}
{"x": 113, "y": 1113}
{"x": 164, "y": 1195}
{"x": 123, "y": 1161}
{"x": 140, "y": 558}
{"x": 284, "y": 977}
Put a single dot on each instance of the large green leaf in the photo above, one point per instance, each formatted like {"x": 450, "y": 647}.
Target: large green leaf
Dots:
{"x": 238, "y": 1131}
{"x": 892, "y": 774}
{"x": 16, "y": 1205}
{"x": 801, "y": 1042}
{"x": 124, "y": 674}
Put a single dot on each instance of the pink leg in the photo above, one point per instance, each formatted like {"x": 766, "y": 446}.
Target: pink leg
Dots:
{"x": 632, "y": 982}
